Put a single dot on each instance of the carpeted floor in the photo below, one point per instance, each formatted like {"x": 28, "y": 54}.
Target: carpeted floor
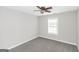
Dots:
{"x": 44, "y": 45}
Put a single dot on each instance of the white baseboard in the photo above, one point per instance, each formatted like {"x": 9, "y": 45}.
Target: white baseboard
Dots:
{"x": 22, "y": 43}
{"x": 42, "y": 37}
{"x": 60, "y": 41}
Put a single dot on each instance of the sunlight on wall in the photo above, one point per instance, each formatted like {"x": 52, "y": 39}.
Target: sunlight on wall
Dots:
{"x": 52, "y": 26}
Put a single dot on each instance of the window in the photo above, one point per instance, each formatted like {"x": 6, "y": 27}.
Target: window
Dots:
{"x": 52, "y": 26}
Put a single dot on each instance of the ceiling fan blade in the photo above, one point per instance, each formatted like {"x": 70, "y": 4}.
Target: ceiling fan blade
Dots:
{"x": 49, "y": 8}
{"x": 38, "y": 7}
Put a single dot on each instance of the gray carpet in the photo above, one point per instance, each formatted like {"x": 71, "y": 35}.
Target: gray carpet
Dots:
{"x": 4, "y": 50}
{"x": 44, "y": 45}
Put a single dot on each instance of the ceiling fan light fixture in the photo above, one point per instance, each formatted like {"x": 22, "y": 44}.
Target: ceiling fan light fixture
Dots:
{"x": 43, "y": 9}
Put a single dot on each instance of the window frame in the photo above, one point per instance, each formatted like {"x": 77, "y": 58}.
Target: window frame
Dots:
{"x": 54, "y": 27}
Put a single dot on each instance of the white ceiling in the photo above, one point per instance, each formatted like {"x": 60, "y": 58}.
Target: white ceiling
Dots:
{"x": 30, "y": 9}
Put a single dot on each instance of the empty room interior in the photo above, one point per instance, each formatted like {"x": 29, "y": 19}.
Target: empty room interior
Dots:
{"x": 39, "y": 28}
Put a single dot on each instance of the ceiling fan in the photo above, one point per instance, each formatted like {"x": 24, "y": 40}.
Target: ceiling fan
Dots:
{"x": 43, "y": 9}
